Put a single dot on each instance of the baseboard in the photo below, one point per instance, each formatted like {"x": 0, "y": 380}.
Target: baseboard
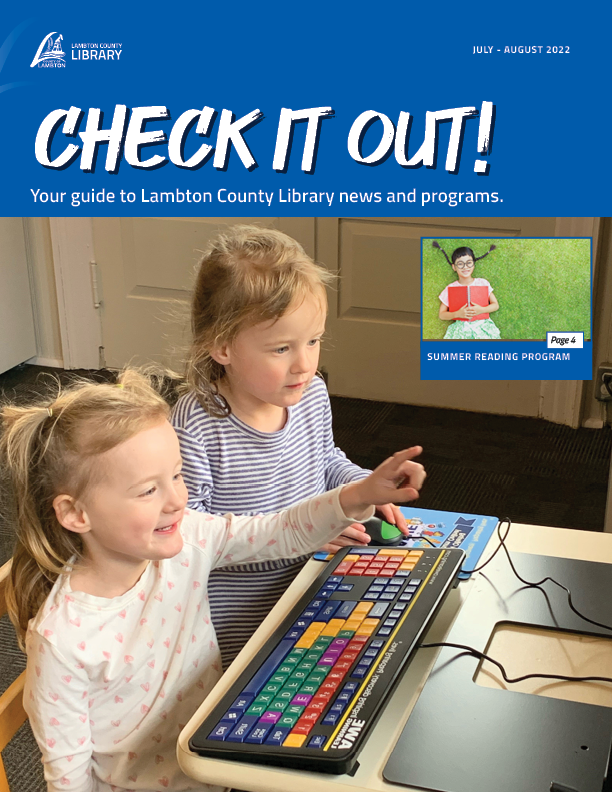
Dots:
{"x": 44, "y": 361}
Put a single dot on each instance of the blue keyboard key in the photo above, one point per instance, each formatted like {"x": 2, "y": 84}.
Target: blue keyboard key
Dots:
{"x": 317, "y": 604}
{"x": 233, "y": 716}
{"x": 393, "y": 589}
{"x": 316, "y": 741}
{"x": 338, "y": 707}
{"x": 310, "y": 613}
{"x": 302, "y": 623}
{"x": 221, "y": 731}
{"x": 344, "y": 697}
{"x": 242, "y": 702}
{"x": 277, "y": 735}
{"x": 255, "y": 684}
{"x": 381, "y": 581}
{"x": 378, "y": 610}
{"x": 366, "y": 662}
{"x": 331, "y": 719}
{"x": 345, "y": 610}
{"x": 384, "y": 631}
{"x": 345, "y": 587}
{"x": 416, "y": 582}
{"x": 389, "y": 622}
{"x": 259, "y": 733}
{"x": 376, "y": 643}
{"x": 358, "y": 673}
{"x": 405, "y": 597}
{"x": 325, "y": 594}
{"x": 387, "y": 597}
{"x": 293, "y": 635}
{"x": 371, "y": 652}
{"x": 402, "y": 573}
{"x": 372, "y": 596}
{"x": 377, "y": 589}
{"x": 243, "y": 728}
{"x": 334, "y": 579}
{"x": 350, "y": 687}
{"x": 329, "y": 611}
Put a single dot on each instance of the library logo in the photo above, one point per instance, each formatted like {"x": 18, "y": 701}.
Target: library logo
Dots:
{"x": 50, "y": 53}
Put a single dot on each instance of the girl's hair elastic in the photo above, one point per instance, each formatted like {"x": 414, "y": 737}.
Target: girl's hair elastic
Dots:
{"x": 465, "y": 252}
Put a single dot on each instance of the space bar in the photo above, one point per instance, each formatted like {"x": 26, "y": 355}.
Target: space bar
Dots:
{"x": 256, "y": 683}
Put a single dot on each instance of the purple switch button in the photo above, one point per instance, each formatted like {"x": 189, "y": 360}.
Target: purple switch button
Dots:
{"x": 338, "y": 644}
{"x": 301, "y": 699}
{"x": 270, "y": 717}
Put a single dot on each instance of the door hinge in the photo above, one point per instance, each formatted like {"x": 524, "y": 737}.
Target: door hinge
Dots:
{"x": 93, "y": 267}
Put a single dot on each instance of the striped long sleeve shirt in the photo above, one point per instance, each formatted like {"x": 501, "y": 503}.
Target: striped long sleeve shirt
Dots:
{"x": 230, "y": 467}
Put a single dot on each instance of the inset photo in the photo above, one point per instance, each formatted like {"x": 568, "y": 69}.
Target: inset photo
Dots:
{"x": 505, "y": 289}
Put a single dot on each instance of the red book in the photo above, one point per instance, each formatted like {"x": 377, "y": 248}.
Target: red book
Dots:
{"x": 458, "y": 296}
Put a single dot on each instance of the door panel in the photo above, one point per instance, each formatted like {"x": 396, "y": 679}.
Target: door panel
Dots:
{"x": 374, "y": 327}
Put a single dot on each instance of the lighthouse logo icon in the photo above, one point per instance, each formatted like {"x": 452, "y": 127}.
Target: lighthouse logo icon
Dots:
{"x": 50, "y": 51}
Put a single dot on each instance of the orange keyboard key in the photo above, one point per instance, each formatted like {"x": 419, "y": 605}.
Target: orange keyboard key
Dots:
{"x": 333, "y": 627}
{"x": 368, "y": 626}
{"x": 362, "y": 608}
{"x": 293, "y": 740}
{"x": 392, "y": 551}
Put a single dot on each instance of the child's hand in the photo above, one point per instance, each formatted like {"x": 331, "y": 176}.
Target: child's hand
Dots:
{"x": 393, "y": 514}
{"x": 398, "y": 478}
{"x": 479, "y": 309}
{"x": 353, "y": 535}
{"x": 463, "y": 312}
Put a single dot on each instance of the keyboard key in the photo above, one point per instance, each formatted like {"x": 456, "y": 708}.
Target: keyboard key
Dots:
{"x": 243, "y": 728}
{"x": 277, "y": 736}
{"x": 346, "y": 587}
{"x": 270, "y": 716}
{"x": 255, "y": 684}
{"x": 331, "y": 719}
{"x": 316, "y": 741}
{"x": 242, "y": 702}
{"x": 294, "y": 740}
{"x": 221, "y": 731}
{"x": 378, "y": 611}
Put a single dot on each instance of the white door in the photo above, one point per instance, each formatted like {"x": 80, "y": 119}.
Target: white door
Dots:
{"x": 17, "y": 339}
{"x": 375, "y": 313}
{"x": 146, "y": 270}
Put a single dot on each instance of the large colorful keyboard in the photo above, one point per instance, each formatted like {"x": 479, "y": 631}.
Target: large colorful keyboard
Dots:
{"x": 310, "y": 699}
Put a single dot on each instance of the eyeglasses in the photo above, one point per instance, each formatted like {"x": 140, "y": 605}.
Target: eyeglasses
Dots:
{"x": 465, "y": 265}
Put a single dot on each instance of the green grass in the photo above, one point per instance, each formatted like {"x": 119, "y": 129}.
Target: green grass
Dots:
{"x": 542, "y": 285}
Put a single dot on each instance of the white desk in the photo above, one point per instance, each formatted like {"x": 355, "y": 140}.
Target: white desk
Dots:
{"x": 373, "y": 757}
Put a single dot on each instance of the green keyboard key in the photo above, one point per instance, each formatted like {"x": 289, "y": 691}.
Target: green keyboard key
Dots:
{"x": 318, "y": 675}
{"x": 273, "y": 687}
{"x": 265, "y": 698}
{"x": 293, "y": 684}
{"x": 307, "y": 665}
{"x": 294, "y": 709}
{"x": 288, "y": 720}
{"x": 256, "y": 709}
{"x": 345, "y": 634}
{"x": 285, "y": 695}
{"x": 279, "y": 705}
{"x": 285, "y": 669}
{"x": 309, "y": 687}
{"x": 280, "y": 678}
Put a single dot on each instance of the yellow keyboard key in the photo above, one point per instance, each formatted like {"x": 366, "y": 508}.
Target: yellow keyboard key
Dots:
{"x": 368, "y": 626}
{"x": 353, "y": 624}
{"x": 362, "y": 608}
{"x": 333, "y": 627}
{"x": 415, "y": 553}
{"x": 351, "y": 558}
{"x": 294, "y": 740}
{"x": 392, "y": 551}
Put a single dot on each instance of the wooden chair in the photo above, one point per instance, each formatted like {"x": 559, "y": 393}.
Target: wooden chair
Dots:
{"x": 12, "y": 713}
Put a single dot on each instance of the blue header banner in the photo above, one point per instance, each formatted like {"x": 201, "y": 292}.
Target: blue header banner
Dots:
{"x": 337, "y": 109}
